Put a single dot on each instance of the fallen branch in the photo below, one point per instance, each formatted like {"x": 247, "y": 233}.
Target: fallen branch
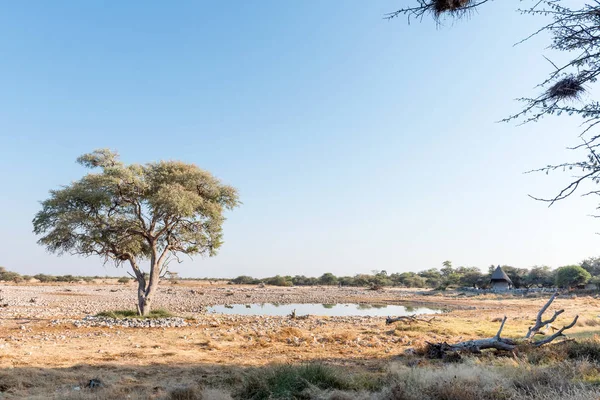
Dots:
{"x": 496, "y": 342}
{"x": 408, "y": 318}
{"x": 439, "y": 350}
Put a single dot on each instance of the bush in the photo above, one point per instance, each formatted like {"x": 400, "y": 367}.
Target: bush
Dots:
{"x": 66, "y": 278}
{"x": 45, "y": 278}
{"x": 245, "y": 280}
{"x": 123, "y": 280}
{"x": 279, "y": 280}
{"x": 9, "y": 276}
{"x": 584, "y": 350}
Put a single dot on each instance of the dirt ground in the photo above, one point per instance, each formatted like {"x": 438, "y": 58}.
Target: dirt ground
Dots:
{"x": 215, "y": 348}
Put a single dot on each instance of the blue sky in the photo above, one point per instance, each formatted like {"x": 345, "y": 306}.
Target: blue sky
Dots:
{"x": 356, "y": 143}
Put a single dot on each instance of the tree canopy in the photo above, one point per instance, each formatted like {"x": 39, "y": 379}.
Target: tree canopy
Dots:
{"x": 571, "y": 275}
{"x": 133, "y": 213}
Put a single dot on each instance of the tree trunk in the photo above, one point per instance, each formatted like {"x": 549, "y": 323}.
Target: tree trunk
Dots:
{"x": 147, "y": 287}
{"x": 143, "y": 307}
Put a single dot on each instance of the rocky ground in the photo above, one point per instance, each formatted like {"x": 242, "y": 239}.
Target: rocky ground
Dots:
{"x": 41, "y": 301}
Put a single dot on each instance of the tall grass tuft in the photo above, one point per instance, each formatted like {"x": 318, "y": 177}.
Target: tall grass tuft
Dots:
{"x": 297, "y": 381}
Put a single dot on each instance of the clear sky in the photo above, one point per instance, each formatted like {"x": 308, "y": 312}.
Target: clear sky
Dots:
{"x": 356, "y": 143}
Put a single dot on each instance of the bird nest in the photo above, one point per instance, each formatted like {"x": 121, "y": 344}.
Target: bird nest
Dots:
{"x": 568, "y": 88}
{"x": 451, "y": 6}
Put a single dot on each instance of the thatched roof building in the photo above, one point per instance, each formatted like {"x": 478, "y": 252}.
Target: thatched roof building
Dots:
{"x": 500, "y": 281}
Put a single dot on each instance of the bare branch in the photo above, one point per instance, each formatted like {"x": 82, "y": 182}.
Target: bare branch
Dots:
{"x": 557, "y": 334}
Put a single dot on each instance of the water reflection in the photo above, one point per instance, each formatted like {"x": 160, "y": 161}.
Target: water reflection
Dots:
{"x": 345, "y": 309}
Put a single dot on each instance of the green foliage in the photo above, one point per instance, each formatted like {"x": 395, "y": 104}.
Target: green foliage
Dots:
{"x": 127, "y": 211}
{"x": 45, "y": 278}
{"x": 121, "y": 314}
{"x": 408, "y": 279}
{"x": 571, "y": 275}
{"x": 136, "y": 212}
{"x": 328, "y": 279}
{"x": 595, "y": 280}
{"x": 516, "y": 275}
{"x": 279, "y": 280}
{"x": 446, "y": 268}
{"x": 433, "y": 277}
{"x": 9, "y": 276}
{"x": 301, "y": 280}
{"x": 539, "y": 277}
{"x": 471, "y": 277}
{"x": 123, "y": 280}
{"x": 592, "y": 265}
{"x": 66, "y": 278}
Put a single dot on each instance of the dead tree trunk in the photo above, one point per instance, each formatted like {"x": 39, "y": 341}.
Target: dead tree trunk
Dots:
{"x": 499, "y": 343}
{"x": 407, "y": 318}
{"x": 539, "y": 324}
{"x": 495, "y": 342}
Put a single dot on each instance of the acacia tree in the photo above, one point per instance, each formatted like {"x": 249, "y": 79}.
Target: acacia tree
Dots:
{"x": 575, "y": 32}
{"x": 136, "y": 213}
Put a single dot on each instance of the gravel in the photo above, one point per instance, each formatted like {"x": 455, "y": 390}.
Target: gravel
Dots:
{"x": 79, "y": 300}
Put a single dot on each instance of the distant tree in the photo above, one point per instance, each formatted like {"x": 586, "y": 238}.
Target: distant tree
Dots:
{"x": 592, "y": 265}
{"x": 446, "y": 269}
{"x": 66, "y": 278}
{"x": 347, "y": 281}
{"x": 45, "y": 278}
{"x": 408, "y": 279}
{"x": 9, "y": 276}
{"x": 245, "y": 280}
{"x": 433, "y": 277}
{"x": 135, "y": 213}
{"x": 452, "y": 280}
{"x": 595, "y": 280}
{"x": 516, "y": 275}
{"x": 470, "y": 277}
{"x": 328, "y": 279}
{"x": 571, "y": 275}
{"x": 539, "y": 277}
{"x": 279, "y": 280}
{"x": 301, "y": 280}
{"x": 362, "y": 280}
